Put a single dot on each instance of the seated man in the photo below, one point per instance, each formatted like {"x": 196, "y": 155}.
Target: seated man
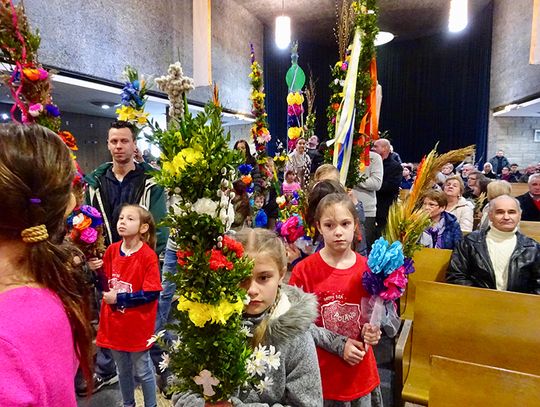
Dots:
{"x": 444, "y": 232}
{"x": 500, "y": 258}
{"x": 530, "y": 201}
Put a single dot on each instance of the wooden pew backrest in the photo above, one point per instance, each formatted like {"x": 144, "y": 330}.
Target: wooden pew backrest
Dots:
{"x": 430, "y": 265}
{"x": 489, "y": 327}
{"x": 519, "y": 188}
{"x": 530, "y": 229}
{"x": 459, "y": 383}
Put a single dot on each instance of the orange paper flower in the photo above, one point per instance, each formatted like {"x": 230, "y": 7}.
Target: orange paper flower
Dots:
{"x": 69, "y": 139}
{"x": 86, "y": 222}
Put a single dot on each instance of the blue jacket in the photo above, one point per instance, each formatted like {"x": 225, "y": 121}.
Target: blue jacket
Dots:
{"x": 452, "y": 232}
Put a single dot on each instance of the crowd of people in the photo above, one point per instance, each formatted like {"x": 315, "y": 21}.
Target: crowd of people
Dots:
{"x": 304, "y": 298}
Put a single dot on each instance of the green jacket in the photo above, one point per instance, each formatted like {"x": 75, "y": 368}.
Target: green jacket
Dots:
{"x": 150, "y": 195}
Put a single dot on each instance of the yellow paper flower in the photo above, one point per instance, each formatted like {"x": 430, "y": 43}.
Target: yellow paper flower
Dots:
{"x": 200, "y": 313}
{"x": 294, "y": 132}
{"x": 295, "y": 98}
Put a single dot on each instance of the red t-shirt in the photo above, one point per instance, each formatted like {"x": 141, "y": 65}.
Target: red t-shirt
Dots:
{"x": 339, "y": 292}
{"x": 129, "y": 329}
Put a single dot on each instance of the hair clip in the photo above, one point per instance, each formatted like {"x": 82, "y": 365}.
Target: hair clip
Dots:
{"x": 35, "y": 200}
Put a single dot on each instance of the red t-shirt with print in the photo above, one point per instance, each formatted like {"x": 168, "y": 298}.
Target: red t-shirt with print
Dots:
{"x": 340, "y": 293}
{"x": 129, "y": 329}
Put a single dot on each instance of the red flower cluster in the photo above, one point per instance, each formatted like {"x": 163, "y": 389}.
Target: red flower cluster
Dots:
{"x": 234, "y": 246}
{"x": 218, "y": 260}
{"x": 182, "y": 256}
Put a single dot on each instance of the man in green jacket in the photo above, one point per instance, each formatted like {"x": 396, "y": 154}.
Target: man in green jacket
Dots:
{"x": 123, "y": 181}
{"x": 110, "y": 186}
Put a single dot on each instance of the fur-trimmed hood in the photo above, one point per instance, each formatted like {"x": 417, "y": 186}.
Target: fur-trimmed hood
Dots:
{"x": 292, "y": 316}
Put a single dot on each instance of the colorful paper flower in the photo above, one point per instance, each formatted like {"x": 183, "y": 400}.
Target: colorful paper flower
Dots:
{"x": 52, "y": 110}
{"x": 90, "y": 211}
{"x": 89, "y": 235}
{"x": 35, "y": 110}
{"x": 372, "y": 283}
{"x": 84, "y": 223}
{"x": 385, "y": 258}
{"x": 294, "y": 132}
{"x": 245, "y": 169}
{"x": 69, "y": 140}
{"x": 246, "y": 179}
{"x": 395, "y": 283}
{"x": 295, "y": 110}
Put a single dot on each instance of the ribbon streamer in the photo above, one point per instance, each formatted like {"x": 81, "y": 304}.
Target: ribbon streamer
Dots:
{"x": 346, "y": 112}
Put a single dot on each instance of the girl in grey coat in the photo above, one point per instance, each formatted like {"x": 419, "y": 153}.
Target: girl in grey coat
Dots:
{"x": 280, "y": 316}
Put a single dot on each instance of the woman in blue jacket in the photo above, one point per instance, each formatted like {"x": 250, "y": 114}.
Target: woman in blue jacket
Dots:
{"x": 444, "y": 232}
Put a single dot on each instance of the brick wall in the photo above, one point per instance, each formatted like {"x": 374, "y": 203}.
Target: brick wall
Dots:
{"x": 515, "y": 136}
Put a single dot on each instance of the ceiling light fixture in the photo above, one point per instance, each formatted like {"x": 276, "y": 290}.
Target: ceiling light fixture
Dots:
{"x": 458, "y": 15}
{"x": 383, "y": 37}
{"x": 283, "y": 30}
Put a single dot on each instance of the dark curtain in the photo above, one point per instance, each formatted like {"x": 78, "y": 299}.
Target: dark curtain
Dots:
{"x": 276, "y": 64}
{"x": 436, "y": 89}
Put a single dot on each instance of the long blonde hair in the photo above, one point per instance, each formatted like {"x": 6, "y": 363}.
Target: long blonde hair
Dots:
{"x": 258, "y": 242}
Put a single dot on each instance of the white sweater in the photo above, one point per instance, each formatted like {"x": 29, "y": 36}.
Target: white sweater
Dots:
{"x": 501, "y": 245}
{"x": 365, "y": 191}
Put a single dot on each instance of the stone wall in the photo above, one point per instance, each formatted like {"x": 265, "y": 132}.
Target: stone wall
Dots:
{"x": 99, "y": 37}
{"x": 512, "y": 78}
{"x": 515, "y": 136}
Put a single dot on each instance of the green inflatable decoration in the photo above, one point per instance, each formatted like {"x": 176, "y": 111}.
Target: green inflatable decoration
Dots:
{"x": 295, "y": 78}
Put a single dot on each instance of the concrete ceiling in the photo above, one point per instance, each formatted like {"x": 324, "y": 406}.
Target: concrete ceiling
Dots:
{"x": 313, "y": 21}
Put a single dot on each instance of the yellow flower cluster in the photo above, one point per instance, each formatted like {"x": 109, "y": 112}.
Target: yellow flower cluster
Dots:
{"x": 257, "y": 95}
{"x": 294, "y": 132}
{"x": 186, "y": 157}
{"x": 295, "y": 98}
{"x": 131, "y": 115}
{"x": 200, "y": 313}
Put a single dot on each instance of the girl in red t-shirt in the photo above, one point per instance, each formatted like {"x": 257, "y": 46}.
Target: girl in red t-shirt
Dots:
{"x": 334, "y": 274}
{"x": 129, "y": 308}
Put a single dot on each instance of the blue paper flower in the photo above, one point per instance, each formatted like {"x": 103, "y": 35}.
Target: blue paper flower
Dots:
{"x": 376, "y": 256}
{"x": 393, "y": 258}
{"x": 409, "y": 266}
{"x": 385, "y": 258}
{"x": 372, "y": 283}
{"x": 245, "y": 169}
{"x": 52, "y": 110}
{"x": 261, "y": 219}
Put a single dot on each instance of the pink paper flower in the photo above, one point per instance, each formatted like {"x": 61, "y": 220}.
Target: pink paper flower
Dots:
{"x": 43, "y": 74}
{"x": 35, "y": 109}
{"x": 89, "y": 235}
{"x": 396, "y": 283}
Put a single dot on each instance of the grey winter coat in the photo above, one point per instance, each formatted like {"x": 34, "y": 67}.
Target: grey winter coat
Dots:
{"x": 297, "y": 382}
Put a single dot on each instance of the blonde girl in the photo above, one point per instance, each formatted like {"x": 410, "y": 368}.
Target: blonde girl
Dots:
{"x": 277, "y": 315}
{"x": 129, "y": 308}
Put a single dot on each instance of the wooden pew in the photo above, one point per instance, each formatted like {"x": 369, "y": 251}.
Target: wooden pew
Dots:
{"x": 530, "y": 229}
{"x": 430, "y": 265}
{"x": 460, "y": 383}
{"x": 489, "y": 327}
{"x": 519, "y": 188}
